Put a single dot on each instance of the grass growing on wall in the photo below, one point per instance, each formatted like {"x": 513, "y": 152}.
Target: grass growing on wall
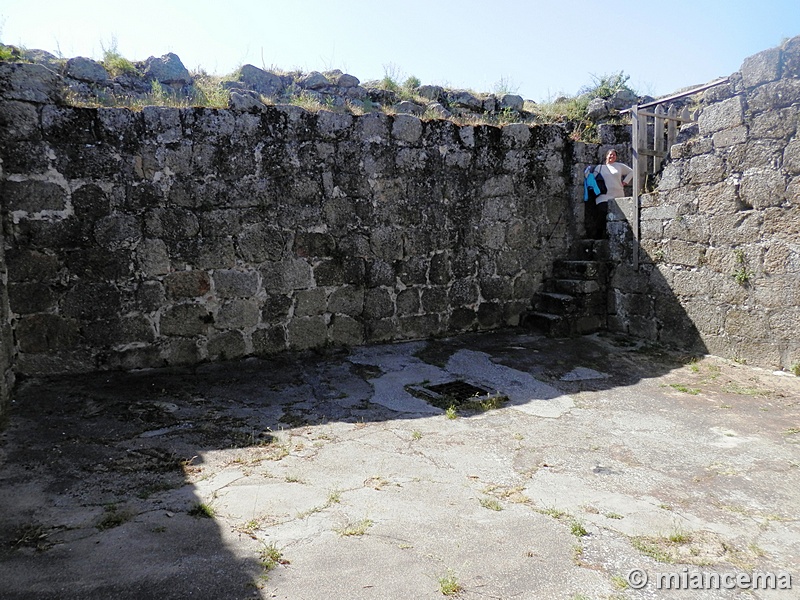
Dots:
{"x": 207, "y": 91}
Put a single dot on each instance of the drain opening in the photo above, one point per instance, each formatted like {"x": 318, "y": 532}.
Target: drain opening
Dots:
{"x": 458, "y": 394}
{"x": 458, "y": 391}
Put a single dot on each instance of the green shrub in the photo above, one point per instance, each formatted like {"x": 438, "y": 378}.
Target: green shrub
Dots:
{"x": 114, "y": 62}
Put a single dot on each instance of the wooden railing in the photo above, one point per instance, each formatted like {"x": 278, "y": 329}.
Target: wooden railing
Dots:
{"x": 664, "y": 125}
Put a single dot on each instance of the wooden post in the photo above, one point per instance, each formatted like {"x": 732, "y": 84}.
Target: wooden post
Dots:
{"x": 672, "y": 125}
{"x": 658, "y": 138}
{"x": 637, "y": 158}
{"x": 642, "y": 149}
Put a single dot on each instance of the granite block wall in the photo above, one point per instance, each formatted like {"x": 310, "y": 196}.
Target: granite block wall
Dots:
{"x": 173, "y": 236}
{"x": 6, "y": 335}
{"x": 719, "y": 236}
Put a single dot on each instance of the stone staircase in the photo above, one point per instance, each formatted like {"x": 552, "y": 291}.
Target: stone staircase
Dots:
{"x": 573, "y": 300}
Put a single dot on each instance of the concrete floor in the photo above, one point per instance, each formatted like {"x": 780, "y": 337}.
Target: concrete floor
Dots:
{"x": 329, "y": 475}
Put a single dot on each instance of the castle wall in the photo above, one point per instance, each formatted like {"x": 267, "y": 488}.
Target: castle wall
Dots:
{"x": 721, "y": 232}
{"x": 173, "y": 236}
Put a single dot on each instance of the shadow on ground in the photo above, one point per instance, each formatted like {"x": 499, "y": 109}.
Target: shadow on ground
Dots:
{"x": 107, "y": 482}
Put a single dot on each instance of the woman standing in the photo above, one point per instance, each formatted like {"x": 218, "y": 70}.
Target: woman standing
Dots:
{"x": 616, "y": 175}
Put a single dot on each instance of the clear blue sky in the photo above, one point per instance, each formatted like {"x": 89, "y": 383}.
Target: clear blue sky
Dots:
{"x": 540, "y": 49}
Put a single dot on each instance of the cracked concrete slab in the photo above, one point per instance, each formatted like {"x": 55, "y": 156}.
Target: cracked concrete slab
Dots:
{"x": 321, "y": 476}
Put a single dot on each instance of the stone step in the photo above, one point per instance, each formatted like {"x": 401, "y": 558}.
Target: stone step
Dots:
{"x": 555, "y": 303}
{"x": 588, "y": 324}
{"x": 549, "y": 324}
{"x": 573, "y": 287}
{"x": 553, "y": 325}
{"x": 580, "y": 269}
{"x": 571, "y": 305}
{"x": 590, "y": 250}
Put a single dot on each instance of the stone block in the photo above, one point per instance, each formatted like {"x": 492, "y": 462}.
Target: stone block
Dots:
{"x": 149, "y": 296}
{"x": 181, "y": 351}
{"x": 761, "y": 68}
{"x": 311, "y": 302}
{"x": 378, "y": 304}
{"x": 347, "y": 300}
{"x": 238, "y": 313}
{"x": 91, "y": 301}
{"x": 413, "y": 270}
{"x": 730, "y": 137}
{"x": 387, "y": 243}
{"x": 761, "y": 188}
{"x": 419, "y": 326}
{"x": 329, "y": 272}
{"x": 495, "y": 288}
{"x": 408, "y": 302}
{"x": 221, "y": 222}
{"x": 516, "y": 134}
{"x": 621, "y": 209}
{"x": 435, "y": 299}
{"x": 162, "y": 123}
{"x": 136, "y": 358}
{"x": 684, "y": 253}
{"x": 440, "y": 269}
{"x": 287, "y": 275}
{"x": 260, "y": 242}
{"x": 784, "y": 323}
{"x": 33, "y": 196}
{"x": 778, "y": 124}
{"x": 207, "y": 253}
{"x": 226, "y": 346}
{"x": 775, "y": 95}
{"x": 185, "y": 320}
{"x": 462, "y": 319}
{"x": 747, "y": 324}
{"x": 490, "y": 315}
{"x": 641, "y": 327}
{"x": 30, "y": 82}
{"x": 407, "y": 128}
{"x": 269, "y": 340}
{"x": 45, "y": 333}
{"x": 463, "y": 292}
{"x": 791, "y": 157}
{"x": 671, "y": 177}
{"x": 28, "y": 298}
{"x": 690, "y": 148}
{"x": 373, "y": 128}
{"x": 723, "y": 115}
{"x": 346, "y": 331}
{"x": 304, "y": 333}
{"x": 310, "y": 244}
{"x": 18, "y": 121}
{"x": 333, "y": 125}
{"x": 171, "y": 224}
{"x": 707, "y": 168}
{"x": 275, "y": 308}
{"x": 231, "y": 283}
{"x": 118, "y": 232}
{"x": 500, "y": 185}
{"x": 187, "y": 284}
{"x": 379, "y": 273}
{"x": 120, "y": 331}
{"x": 56, "y": 362}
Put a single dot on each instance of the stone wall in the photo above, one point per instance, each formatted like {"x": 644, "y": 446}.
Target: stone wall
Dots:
{"x": 6, "y": 334}
{"x": 172, "y": 236}
{"x": 721, "y": 235}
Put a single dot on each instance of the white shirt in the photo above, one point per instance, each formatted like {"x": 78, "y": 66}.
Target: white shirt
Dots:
{"x": 614, "y": 175}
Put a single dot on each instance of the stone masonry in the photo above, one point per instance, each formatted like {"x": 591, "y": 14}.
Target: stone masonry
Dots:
{"x": 6, "y": 336}
{"x": 173, "y": 236}
{"x": 720, "y": 235}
